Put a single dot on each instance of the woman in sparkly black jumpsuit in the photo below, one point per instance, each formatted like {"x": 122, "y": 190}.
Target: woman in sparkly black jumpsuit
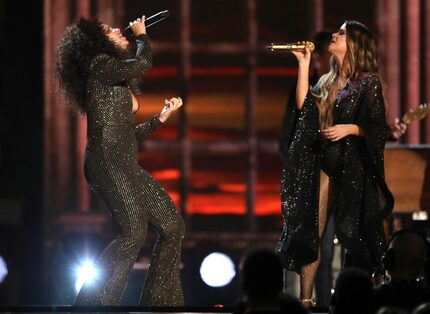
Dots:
{"x": 94, "y": 74}
{"x": 335, "y": 160}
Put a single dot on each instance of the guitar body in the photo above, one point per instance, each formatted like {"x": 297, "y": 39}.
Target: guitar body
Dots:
{"x": 416, "y": 114}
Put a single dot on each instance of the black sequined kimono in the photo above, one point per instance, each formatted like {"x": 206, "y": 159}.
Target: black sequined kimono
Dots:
{"x": 133, "y": 197}
{"x": 362, "y": 199}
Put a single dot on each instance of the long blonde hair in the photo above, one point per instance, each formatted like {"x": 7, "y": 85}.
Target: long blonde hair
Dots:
{"x": 361, "y": 57}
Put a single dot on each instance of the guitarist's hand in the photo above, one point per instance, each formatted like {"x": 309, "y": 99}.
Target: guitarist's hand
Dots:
{"x": 397, "y": 129}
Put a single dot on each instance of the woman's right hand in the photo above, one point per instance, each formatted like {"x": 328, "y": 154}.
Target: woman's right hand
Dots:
{"x": 138, "y": 26}
{"x": 303, "y": 56}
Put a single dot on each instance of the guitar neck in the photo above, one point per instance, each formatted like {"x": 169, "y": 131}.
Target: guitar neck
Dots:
{"x": 416, "y": 114}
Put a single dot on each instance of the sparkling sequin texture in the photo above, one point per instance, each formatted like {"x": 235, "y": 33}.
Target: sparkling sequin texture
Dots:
{"x": 362, "y": 199}
{"x": 134, "y": 198}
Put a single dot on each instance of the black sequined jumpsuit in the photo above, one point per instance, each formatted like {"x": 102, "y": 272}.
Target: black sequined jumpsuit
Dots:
{"x": 134, "y": 198}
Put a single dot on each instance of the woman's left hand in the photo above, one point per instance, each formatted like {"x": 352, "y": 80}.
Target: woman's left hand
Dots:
{"x": 169, "y": 106}
{"x": 338, "y": 132}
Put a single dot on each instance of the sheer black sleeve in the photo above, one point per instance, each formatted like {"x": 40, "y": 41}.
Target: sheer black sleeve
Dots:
{"x": 289, "y": 121}
{"x": 372, "y": 118}
{"x": 291, "y": 115}
{"x": 298, "y": 243}
{"x": 109, "y": 70}
{"x": 147, "y": 127}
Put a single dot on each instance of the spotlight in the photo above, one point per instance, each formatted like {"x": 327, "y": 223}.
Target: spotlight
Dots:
{"x": 3, "y": 269}
{"x": 85, "y": 273}
{"x": 217, "y": 270}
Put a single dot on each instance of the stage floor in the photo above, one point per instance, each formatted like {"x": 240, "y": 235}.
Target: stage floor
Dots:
{"x": 125, "y": 309}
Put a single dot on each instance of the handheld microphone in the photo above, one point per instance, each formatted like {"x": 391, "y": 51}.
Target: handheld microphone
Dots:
{"x": 153, "y": 19}
{"x": 294, "y": 46}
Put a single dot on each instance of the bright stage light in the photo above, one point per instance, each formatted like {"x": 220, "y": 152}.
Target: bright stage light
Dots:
{"x": 3, "y": 269}
{"x": 217, "y": 270}
{"x": 85, "y": 273}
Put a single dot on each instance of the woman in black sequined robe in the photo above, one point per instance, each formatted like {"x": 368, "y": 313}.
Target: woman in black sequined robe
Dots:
{"x": 335, "y": 160}
{"x": 94, "y": 74}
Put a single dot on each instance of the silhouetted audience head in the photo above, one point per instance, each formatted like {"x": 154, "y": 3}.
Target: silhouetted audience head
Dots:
{"x": 406, "y": 255}
{"x": 403, "y": 262}
{"x": 262, "y": 282}
{"x": 391, "y": 310}
{"x": 422, "y": 309}
{"x": 426, "y": 273}
{"x": 353, "y": 292}
{"x": 262, "y": 274}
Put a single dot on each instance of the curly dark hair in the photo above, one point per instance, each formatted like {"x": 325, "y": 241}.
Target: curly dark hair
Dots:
{"x": 81, "y": 42}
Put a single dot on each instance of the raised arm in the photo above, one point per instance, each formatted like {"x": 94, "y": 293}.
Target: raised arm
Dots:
{"x": 302, "y": 85}
{"x": 304, "y": 59}
{"x": 109, "y": 70}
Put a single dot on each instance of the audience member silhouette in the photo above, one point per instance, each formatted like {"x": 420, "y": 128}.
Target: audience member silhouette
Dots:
{"x": 353, "y": 293}
{"x": 261, "y": 279}
{"x": 404, "y": 262}
{"x": 426, "y": 274}
{"x": 391, "y": 310}
{"x": 422, "y": 309}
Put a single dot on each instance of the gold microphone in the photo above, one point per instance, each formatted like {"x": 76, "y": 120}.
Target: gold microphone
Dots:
{"x": 294, "y": 46}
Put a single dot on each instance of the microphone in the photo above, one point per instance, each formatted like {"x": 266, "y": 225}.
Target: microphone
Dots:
{"x": 153, "y": 19}
{"x": 294, "y": 46}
